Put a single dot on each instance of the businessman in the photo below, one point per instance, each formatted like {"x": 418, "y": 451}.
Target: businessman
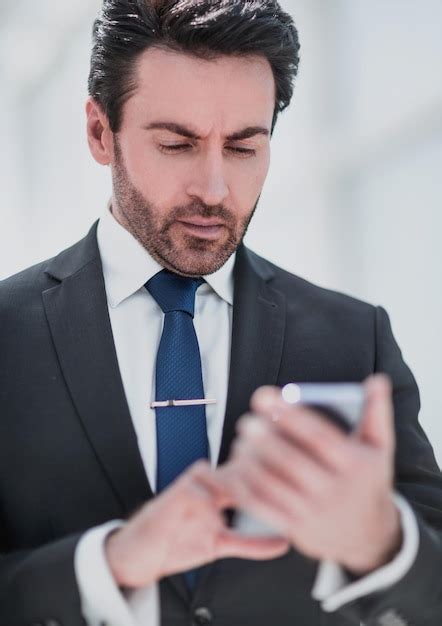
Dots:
{"x": 128, "y": 363}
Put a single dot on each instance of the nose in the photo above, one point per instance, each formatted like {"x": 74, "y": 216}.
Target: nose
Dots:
{"x": 208, "y": 179}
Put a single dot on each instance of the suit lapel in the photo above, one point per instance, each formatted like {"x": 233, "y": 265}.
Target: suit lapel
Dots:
{"x": 257, "y": 338}
{"x": 77, "y": 314}
{"x": 78, "y": 317}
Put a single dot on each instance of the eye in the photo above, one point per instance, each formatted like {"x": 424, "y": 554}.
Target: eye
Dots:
{"x": 174, "y": 148}
{"x": 182, "y": 147}
{"x": 243, "y": 151}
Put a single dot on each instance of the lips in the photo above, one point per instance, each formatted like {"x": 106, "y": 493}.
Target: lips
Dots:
{"x": 195, "y": 221}
{"x": 205, "y": 229}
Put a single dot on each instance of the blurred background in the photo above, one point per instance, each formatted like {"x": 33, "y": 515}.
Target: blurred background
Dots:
{"x": 353, "y": 200}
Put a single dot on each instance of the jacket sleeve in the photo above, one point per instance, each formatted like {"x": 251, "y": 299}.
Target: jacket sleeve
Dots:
{"x": 39, "y": 586}
{"x": 417, "y": 597}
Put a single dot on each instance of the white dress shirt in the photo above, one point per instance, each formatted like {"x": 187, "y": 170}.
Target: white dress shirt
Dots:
{"x": 137, "y": 322}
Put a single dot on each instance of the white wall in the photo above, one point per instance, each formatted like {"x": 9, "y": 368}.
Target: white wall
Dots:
{"x": 354, "y": 193}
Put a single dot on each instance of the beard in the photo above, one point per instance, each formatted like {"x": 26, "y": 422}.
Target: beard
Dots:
{"x": 182, "y": 253}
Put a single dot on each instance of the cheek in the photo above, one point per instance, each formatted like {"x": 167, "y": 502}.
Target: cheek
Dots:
{"x": 247, "y": 183}
{"x": 150, "y": 175}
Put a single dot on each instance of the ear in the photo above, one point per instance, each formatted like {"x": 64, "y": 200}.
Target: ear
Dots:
{"x": 99, "y": 134}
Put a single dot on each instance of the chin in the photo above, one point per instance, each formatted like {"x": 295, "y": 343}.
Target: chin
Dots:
{"x": 197, "y": 264}
{"x": 193, "y": 256}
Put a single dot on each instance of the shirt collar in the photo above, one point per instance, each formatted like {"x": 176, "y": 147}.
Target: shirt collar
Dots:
{"x": 127, "y": 266}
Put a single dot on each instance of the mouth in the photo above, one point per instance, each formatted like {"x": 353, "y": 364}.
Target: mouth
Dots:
{"x": 206, "y": 229}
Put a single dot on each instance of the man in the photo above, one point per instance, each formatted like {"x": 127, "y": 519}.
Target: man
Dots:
{"x": 129, "y": 358}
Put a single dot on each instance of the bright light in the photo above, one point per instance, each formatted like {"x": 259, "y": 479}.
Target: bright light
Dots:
{"x": 291, "y": 393}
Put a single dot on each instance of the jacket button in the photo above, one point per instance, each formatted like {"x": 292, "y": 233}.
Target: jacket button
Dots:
{"x": 202, "y": 616}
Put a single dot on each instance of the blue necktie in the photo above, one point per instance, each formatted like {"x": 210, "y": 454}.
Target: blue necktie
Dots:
{"x": 181, "y": 431}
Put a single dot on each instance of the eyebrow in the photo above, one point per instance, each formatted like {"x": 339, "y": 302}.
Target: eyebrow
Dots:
{"x": 179, "y": 129}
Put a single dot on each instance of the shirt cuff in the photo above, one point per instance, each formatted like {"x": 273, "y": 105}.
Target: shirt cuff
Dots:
{"x": 102, "y": 601}
{"x": 333, "y": 588}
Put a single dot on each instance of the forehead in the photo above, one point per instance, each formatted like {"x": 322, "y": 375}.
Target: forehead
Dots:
{"x": 226, "y": 91}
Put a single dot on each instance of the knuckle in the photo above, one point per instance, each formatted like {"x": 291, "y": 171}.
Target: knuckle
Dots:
{"x": 188, "y": 483}
{"x": 245, "y": 417}
{"x": 199, "y": 468}
{"x": 264, "y": 396}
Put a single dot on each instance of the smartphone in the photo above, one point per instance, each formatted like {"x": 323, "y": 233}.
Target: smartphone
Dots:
{"x": 342, "y": 403}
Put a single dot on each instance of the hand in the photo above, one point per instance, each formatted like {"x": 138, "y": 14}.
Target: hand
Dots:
{"x": 329, "y": 493}
{"x": 180, "y": 529}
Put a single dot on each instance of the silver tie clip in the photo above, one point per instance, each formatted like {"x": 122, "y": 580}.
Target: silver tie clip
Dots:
{"x": 167, "y": 403}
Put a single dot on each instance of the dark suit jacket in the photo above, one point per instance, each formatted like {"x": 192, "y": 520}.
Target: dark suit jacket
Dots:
{"x": 69, "y": 458}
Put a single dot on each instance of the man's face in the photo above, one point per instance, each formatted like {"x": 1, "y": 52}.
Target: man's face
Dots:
{"x": 192, "y": 155}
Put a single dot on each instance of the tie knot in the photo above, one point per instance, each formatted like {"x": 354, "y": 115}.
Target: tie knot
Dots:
{"x": 173, "y": 292}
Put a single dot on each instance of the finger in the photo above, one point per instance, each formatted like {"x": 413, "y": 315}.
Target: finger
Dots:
{"x": 261, "y": 444}
{"x": 377, "y": 425}
{"x": 211, "y": 480}
{"x": 244, "y": 498}
{"x": 312, "y": 433}
{"x": 267, "y": 491}
{"x": 266, "y": 399}
{"x": 233, "y": 544}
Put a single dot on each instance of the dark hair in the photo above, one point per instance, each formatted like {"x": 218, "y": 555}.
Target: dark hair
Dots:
{"x": 124, "y": 29}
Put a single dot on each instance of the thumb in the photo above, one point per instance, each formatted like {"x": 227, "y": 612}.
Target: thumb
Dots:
{"x": 232, "y": 543}
{"x": 377, "y": 426}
